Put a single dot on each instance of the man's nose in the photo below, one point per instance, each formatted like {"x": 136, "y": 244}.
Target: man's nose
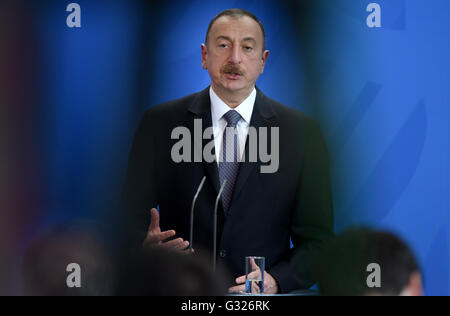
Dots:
{"x": 235, "y": 56}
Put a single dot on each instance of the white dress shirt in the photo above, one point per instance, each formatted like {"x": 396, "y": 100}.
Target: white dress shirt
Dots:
{"x": 219, "y": 108}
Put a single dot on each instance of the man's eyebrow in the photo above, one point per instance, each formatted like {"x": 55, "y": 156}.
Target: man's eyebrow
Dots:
{"x": 249, "y": 39}
{"x": 246, "y": 39}
{"x": 223, "y": 37}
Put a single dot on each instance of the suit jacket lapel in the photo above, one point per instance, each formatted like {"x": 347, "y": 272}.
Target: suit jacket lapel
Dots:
{"x": 201, "y": 109}
{"x": 263, "y": 116}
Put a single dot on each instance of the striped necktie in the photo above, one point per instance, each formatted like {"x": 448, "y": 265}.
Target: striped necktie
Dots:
{"x": 229, "y": 164}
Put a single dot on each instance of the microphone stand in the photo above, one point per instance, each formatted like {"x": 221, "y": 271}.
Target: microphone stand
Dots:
{"x": 215, "y": 224}
{"x": 192, "y": 213}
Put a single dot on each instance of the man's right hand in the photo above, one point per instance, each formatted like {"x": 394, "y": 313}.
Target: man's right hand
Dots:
{"x": 156, "y": 238}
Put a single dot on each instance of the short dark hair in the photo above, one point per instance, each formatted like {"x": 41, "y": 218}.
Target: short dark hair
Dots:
{"x": 82, "y": 242}
{"x": 161, "y": 272}
{"x": 237, "y": 13}
{"x": 341, "y": 268}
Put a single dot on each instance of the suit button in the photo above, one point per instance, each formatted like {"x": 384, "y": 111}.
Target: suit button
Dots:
{"x": 222, "y": 253}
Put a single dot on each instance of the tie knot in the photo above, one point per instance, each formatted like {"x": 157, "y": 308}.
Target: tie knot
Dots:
{"x": 232, "y": 117}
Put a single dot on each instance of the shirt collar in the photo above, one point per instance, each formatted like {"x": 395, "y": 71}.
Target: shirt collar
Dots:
{"x": 219, "y": 108}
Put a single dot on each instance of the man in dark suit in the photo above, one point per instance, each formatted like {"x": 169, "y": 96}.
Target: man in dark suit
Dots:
{"x": 260, "y": 211}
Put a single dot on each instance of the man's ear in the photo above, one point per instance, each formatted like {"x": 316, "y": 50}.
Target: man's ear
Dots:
{"x": 414, "y": 287}
{"x": 204, "y": 56}
{"x": 263, "y": 60}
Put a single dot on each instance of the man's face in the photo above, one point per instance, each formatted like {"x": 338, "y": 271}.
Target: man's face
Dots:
{"x": 234, "y": 56}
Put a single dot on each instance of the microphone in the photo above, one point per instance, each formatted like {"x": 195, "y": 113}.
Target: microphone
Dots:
{"x": 192, "y": 213}
{"x": 215, "y": 224}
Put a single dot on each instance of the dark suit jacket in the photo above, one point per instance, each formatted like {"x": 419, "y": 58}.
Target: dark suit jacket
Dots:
{"x": 267, "y": 210}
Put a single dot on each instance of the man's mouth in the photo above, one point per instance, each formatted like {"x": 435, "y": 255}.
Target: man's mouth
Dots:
{"x": 233, "y": 75}
{"x": 232, "y": 72}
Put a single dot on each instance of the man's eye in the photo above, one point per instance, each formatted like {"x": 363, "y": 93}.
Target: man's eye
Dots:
{"x": 223, "y": 45}
{"x": 248, "y": 48}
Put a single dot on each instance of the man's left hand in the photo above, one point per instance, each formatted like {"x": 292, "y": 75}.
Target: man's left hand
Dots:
{"x": 270, "y": 285}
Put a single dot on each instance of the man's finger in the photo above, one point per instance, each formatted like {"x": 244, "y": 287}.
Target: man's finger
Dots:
{"x": 240, "y": 280}
{"x": 182, "y": 246}
{"x": 237, "y": 289}
{"x": 251, "y": 275}
{"x": 158, "y": 238}
{"x": 255, "y": 275}
{"x": 165, "y": 235}
{"x": 178, "y": 243}
{"x": 187, "y": 251}
{"x": 254, "y": 265}
{"x": 154, "y": 220}
{"x": 255, "y": 288}
{"x": 174, "y": 242}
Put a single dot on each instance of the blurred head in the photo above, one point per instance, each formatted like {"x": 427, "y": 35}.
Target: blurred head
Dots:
{"x": 44, "y": 268}
{"x": 159, "y": 272}
{"x": 342, "y": 267}
{"x": 234, "y": 51}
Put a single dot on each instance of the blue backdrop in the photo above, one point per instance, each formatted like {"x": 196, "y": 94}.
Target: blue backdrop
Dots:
{"x": 381, "y": 96}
